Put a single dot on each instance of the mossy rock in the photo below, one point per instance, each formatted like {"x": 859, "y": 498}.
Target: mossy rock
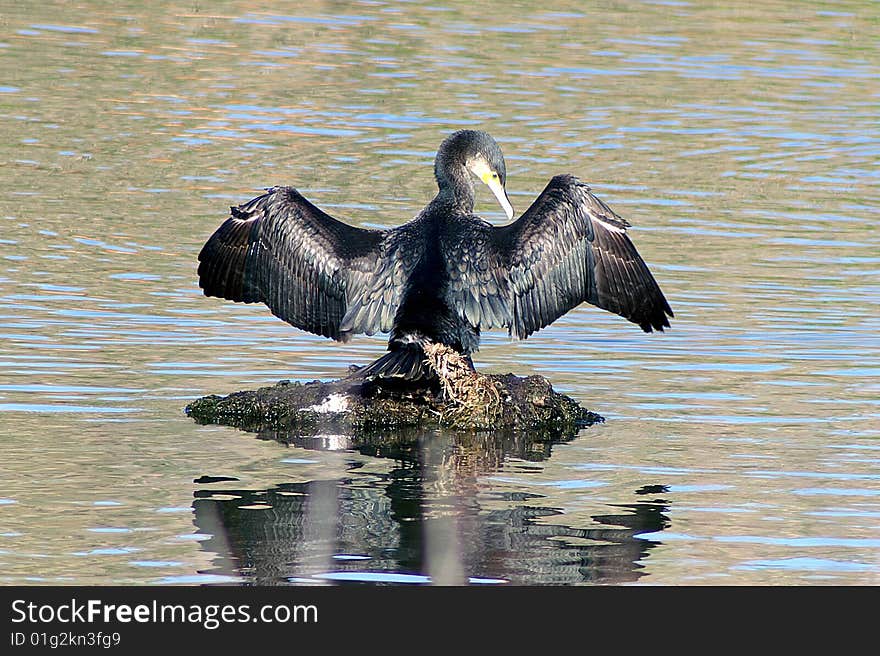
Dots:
{"x": 357, "y": 407}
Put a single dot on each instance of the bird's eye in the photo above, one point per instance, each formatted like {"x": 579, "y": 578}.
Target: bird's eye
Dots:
{"x": 494, "y": 176}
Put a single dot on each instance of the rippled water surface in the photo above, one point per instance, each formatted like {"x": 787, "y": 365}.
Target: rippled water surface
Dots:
{"x": 740, "y": 139}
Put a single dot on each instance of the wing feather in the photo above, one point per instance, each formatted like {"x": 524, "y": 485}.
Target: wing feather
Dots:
{"x": 313, "y": 271}
{"x": 569, "y": 247}
{"x": 571, "y": 237}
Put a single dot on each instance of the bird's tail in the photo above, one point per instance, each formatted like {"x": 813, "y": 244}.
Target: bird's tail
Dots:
{"x": 403, "y": 363}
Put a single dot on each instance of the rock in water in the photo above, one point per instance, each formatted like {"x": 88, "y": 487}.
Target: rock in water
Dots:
{"x": 461, "y": 399}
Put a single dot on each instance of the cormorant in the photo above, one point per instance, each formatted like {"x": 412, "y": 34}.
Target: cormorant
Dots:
{"x": 444, "y": 276}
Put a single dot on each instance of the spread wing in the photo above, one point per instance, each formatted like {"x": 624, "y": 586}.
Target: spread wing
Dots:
{"x": 313, "y": 271}
{"x": 567, "y": 248}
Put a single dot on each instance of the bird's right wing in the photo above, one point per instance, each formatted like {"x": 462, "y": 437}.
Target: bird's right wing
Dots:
{"x": 567, "y": 248}
{"x": 570, "y": 247}
{"x": 313, "y": 271}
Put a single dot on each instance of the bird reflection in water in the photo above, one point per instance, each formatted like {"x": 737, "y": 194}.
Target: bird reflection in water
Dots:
{"x": 429, "y": 520}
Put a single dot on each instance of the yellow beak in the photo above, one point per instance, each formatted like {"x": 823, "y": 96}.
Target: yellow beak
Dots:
{"x": 494, "y": 183}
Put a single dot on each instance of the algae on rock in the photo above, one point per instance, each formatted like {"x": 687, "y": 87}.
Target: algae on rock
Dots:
{"x": 459, "y": 398}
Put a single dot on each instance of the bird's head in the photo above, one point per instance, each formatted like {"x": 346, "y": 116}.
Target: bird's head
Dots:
{"x": 479, "y": 154}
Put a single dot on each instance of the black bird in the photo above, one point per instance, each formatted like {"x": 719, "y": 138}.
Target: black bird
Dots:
{"x": 442, "y": 277}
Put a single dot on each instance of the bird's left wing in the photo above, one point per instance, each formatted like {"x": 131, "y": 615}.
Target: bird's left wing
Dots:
{"x": 315, "y": 272}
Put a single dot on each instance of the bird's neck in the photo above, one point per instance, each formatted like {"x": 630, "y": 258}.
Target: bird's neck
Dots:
{"x": 456, "y": 191}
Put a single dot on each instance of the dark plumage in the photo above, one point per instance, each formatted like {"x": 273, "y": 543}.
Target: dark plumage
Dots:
{"x": 445, "y": 275}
